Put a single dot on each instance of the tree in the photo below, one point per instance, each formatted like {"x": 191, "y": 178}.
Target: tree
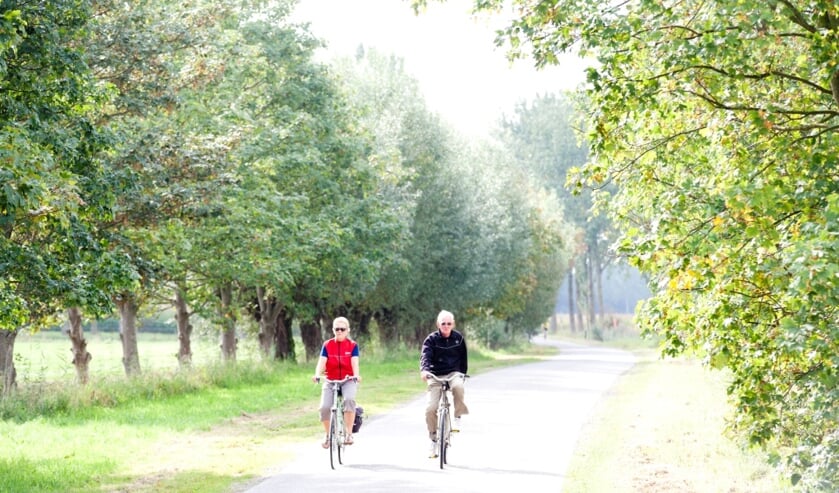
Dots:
{"x": 407, "y": 146}
{"x": 716, "y": 122}
{"x": 148, "y": 55}
{"x": 55, "y": 191}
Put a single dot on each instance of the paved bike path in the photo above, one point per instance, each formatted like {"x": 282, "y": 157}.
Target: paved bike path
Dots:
{"x": 520, "y": 435}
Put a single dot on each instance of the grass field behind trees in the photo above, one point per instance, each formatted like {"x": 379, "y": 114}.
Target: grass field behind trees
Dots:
{"x": 46, "y": 356}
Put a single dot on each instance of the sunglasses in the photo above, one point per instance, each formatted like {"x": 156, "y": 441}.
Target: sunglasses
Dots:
{"x": 339, "y": 329}
{"x": 446, "y": 323}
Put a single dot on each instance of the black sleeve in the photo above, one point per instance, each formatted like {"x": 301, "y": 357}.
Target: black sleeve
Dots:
{"x": 426, "y": 354}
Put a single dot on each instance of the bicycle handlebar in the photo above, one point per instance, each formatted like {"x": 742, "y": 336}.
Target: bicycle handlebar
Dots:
{"x": 345, "y": 379}
{"x": 447, "y": 379}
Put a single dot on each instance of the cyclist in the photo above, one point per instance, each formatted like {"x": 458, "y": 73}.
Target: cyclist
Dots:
{"x": 339, "y": 359}
{"x": 443, "y": 354}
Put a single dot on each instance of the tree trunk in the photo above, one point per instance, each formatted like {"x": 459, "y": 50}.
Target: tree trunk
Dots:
{"x": 228, "y": 331}
{"x": 388, "y": 328}
{"x": 580, "y": 300}
{"x": 268, "y": 316}
{"x": 600, "y": 267}
{"x": 7, "y": 360}
{"x": 571, "y": 302}
{"x": 360, "y": 324}
{"x": 415, "y": 338}
{"x": 184, "y": 328}
{"x": 592, "y": 309}
{"x": 81, "y": 357}
{"x": 284, "y": 342}
{"x": 420, "y": 332}
{"x": 312, "y": 335}
{"x": 128, "y": 309}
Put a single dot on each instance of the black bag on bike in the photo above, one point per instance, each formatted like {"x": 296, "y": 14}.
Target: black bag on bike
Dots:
{"x": 359, "y": 419}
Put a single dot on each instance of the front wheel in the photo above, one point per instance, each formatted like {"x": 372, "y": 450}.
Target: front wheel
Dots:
{"x": 339, "y": 425}
{"x": 333, "y": 438}
{"x": 442, "y": 436}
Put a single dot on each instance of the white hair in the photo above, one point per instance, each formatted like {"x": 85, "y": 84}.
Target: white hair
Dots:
{"x": 443, "y": 314}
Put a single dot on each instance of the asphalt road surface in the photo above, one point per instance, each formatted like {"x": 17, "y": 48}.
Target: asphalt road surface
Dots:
{"x": 519, "y": 437}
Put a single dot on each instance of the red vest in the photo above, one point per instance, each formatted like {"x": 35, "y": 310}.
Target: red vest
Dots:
{"x": 339, "y": 358}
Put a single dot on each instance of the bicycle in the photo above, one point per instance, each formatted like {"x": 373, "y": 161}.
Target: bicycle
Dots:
{"x": 444, "y": 419}
{"x": 336, "y": 421}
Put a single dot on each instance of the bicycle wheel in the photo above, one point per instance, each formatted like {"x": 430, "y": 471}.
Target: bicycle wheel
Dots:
{"x": 333, "y": 437}
{"x": 442, "y": 438}
{"x": 448, "y": 441}
{"x": 340, "y": 427}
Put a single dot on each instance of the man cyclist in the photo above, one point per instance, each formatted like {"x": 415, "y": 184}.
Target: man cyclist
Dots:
{"x": 443, "y": 354}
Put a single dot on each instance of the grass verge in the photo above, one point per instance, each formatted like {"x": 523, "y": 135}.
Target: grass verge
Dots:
{"x": 661, "y": 428}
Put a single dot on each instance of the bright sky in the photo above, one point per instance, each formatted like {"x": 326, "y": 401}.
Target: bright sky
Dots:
{"x": 463, "y": 76}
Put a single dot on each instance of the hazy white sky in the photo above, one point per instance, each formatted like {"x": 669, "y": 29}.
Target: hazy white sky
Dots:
{"x": 463, "y": 76}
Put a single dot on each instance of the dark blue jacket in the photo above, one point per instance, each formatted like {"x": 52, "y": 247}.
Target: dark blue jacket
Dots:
{"x": 443, "y": 355}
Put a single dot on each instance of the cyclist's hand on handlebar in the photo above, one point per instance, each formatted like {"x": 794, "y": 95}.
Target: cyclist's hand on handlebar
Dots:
{"x": 424, "y": 375}
{"x": 315, "y": 378}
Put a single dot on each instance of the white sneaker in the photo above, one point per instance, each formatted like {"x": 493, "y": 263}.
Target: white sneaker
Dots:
{"x": 432, "y": 452}
{"x": 456, "y": 424}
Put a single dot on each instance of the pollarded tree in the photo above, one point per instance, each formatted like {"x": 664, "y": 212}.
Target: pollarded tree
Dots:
{"x": 476, "y": 243}
{"x": 717, "y": 122}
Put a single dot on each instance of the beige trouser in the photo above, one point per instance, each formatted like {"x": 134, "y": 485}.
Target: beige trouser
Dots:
{"x": 434, "y": 389}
